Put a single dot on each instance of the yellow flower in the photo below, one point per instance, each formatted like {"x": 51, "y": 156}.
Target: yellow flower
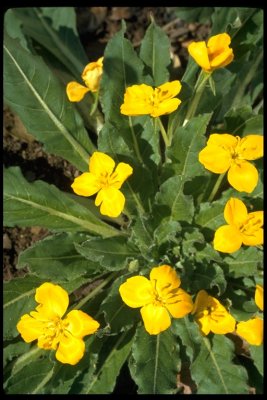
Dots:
{"x": 211, "y": 315}
{"x": 91, "y": 76}
{"x": 225, "y": 152}
{"x": 143, "y": 99}
{"x": 243, "y": 227}
{"x": 215, "y": 54}
{"x": 51, "y": 331}
{"x": 159, "y": 298}
{"x": 252, "y": 330}
{"x": 105, "y": 181}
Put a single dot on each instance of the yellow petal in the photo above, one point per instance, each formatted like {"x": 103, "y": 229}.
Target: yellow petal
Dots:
{"x": 101, "y": 164}
{"x": 251, "y": 331}
{"x": 136, "y": 292}
{"x": 222, "y": 60}
{"x": 243, "y": 176}
{"x": 121, "y": 173}
{"x": 235, "y": 212}
{"x": 111, "y": 201}
{"x": 201, "y": 302}
{"x": 156, "y": 319}
{"x": 227, "y": 239}
{"x": 251, "y": 147}
{"x": 86, "y": 184}
{"x": 199, "y": 52}
{"x": 70, "y": 349}
{"x": 224, "y": 140}
{"x": 259, "y": 296}
{"x": 80, "y": 324}
{"x": 53, "y": 299}
{"x": 204, "y": 324}
{"x": 75, "y": 91}
{"x": 92, "y": 74}
{"x": 218, "y": 43}
{"x": 221, "y": 322}
{"x": 180, "y": 304}
{"x": 166, "y": 107}
{"x": 164, "y": 277}
{"x": 30, "y": 328}
{"x": 215, "y": 158}
{"x": 254, "y": 238}
{"x": 138, "y": 100}
{"x": 168, "y": 90}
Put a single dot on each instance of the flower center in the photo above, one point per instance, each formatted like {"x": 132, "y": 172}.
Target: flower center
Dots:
{"x": 166, "y": 295}
{"x": 52, "y": 332}
{"x": 251, "y": 225}
{"x": 107, "y": 180}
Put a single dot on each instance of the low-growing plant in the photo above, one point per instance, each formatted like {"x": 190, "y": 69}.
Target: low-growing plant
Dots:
{"x": 160, "y": 234}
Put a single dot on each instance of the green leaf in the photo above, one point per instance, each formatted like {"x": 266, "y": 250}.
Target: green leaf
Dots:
{"x": 171, "y": 201}
{"x": 166, "y": 231}
{"x": 15, "y": 349}
{"x": 207, "y": 276}
{"x": 194, "y": 14}
{"x": 55, "y": 29}
{"x": 117, "y": 314}
{"x": 243, "y": 121}
{"x": 210, "y": 217}
{"x": 155, "y": 53}
{"x": 32, "y": 378}
{"x": 256, "y": 353}
{"x": 214, "y": 371}
{"x": 13, "y": 27}
{"x": 40, "y": 100}
{"x": 113, "y": 254}
{"x": 38, "y": 203}
{"x": 188, "y": 333}
{"x": 155, "y": 362}
{"x": 18, "y": 300}
{"x": 186, "y": 145}
{"x": 117, "y": 352}
{"x": 244, "y": 262}
{"x": 56, "y": 258}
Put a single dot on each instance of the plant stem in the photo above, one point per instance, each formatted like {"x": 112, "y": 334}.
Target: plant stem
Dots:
{"x": 216, "y": 187}
{"x": 95, "y": 103}
{"x": 95, "y": 291}
{"x": 164, "y": 133}
{"x": 136, "y": 147}
{"x": 198, "y": 91}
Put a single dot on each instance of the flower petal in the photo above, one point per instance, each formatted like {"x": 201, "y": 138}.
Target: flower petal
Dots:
{"x": 235, "y": 212}
{"x": 137, "y": 291}
{"x": 138, "y": 100}
{"x": 251, "y": 147}
{"x": 164, "y": 277}
{"x": 254, "y": 238}
{"x": 221, "y": 322}
{"x": 243, "y": 176}
{"x": 168, "y": 90}
{"x": 200, "y": 302}
{"x": 218, "y": 43}
{"x": 204, "y": 324}
{"x": 259, "y": 296}
{"x": 199, "y": 52}
{"x": 70, "y": 349}
{"x": 156, "y": 319}
{"x": 92, "y": 74}
{"x": 227, "y": 239}
{"x": 223, "y": 59}
{"x": 180, "y": 304}
{"x": 80, "y": 324}
{"x": 121, "y": 173}
{"x": 30, "y": 328}
{"x": 111, "y": 202}
{"x": 166, "y": 107}
{"x": 101, "y": 164}
{"x": 86, "y": 184}
{"x": 53, "y": 299}
{"x": 251, "y": 331}
{"x": 215, "y": 158}
{"x": 75, "y": 91}
{"x": 220, "y": 54}
{"x": 224, "y": 140}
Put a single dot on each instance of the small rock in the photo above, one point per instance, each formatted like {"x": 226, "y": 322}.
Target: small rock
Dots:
{"x": 6, "y": 242}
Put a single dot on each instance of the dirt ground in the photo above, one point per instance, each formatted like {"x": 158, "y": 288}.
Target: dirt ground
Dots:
{"x": 96, "y": 25}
